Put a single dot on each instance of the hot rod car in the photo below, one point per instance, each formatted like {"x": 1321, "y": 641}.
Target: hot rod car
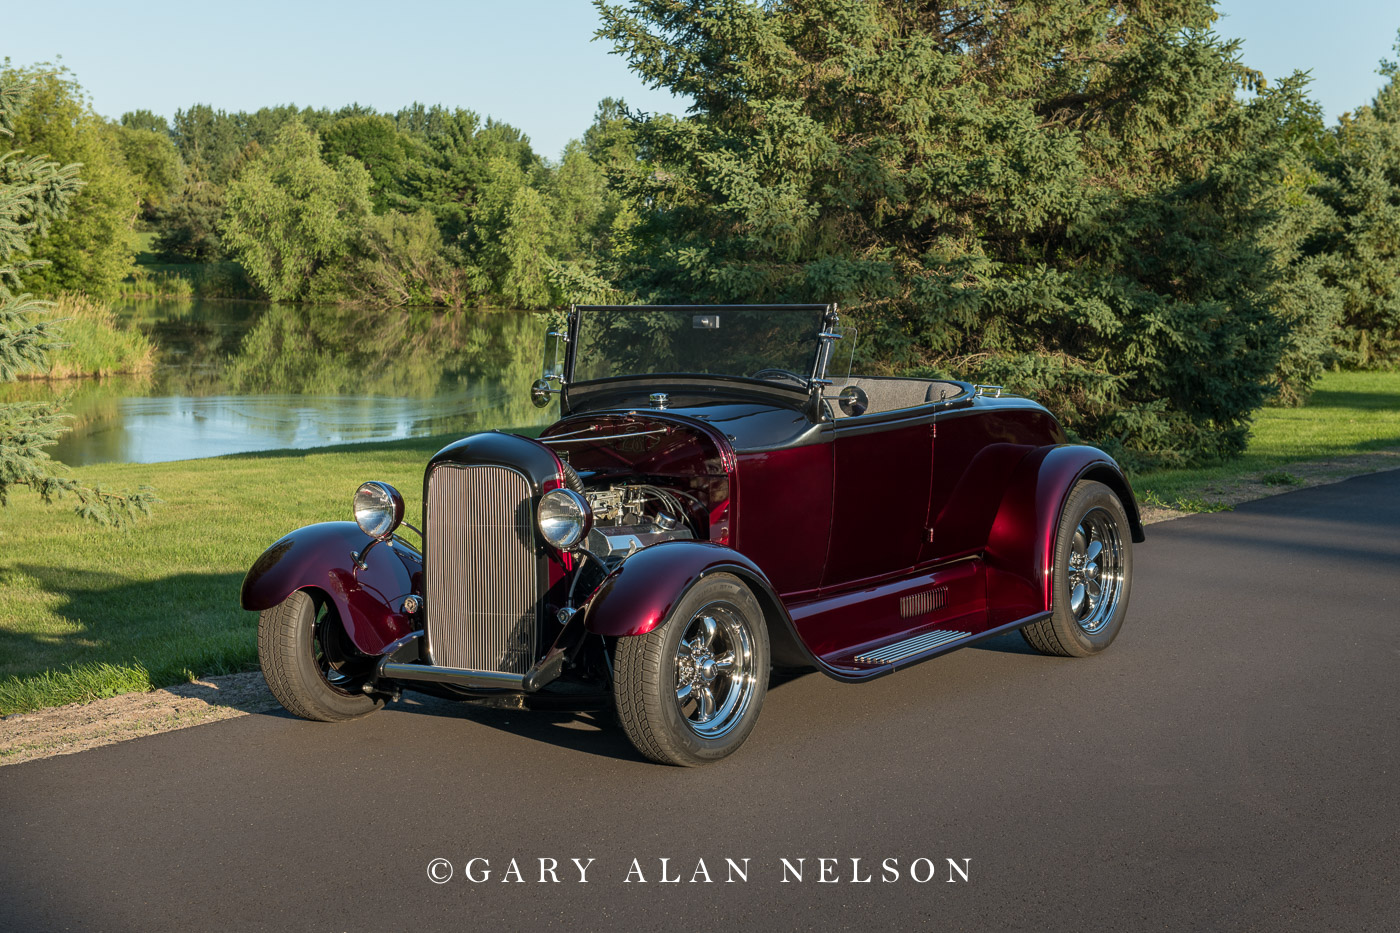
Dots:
{"x": 716, "y": 500}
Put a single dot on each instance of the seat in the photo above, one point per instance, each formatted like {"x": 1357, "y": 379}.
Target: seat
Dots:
{"x": 895, "y": 394}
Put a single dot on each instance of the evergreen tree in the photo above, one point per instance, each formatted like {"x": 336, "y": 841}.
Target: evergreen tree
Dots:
{"x": 35, "y": 193}
{"x": 1066, "y": 196}
{"x": 1360, "y": 251}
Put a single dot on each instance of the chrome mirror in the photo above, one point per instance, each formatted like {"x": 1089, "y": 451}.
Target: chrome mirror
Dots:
{"x": 853, "y": 400}
{"x": 555, "y": 340}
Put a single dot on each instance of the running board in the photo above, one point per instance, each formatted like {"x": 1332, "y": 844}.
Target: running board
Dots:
{"x": 870, "y": 663}
{"x": 891, "y": 654}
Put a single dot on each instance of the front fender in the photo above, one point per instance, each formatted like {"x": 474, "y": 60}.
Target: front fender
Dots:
{"x": 1021, "y": 545}
{"x": 369, "y": 600}
{"x": 640, "y": 594}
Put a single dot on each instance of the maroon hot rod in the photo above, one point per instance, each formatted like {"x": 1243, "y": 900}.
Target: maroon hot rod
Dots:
{"x": 718, "y": 498}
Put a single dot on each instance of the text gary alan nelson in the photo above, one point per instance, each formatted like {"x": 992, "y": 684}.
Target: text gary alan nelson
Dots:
{"x": 800, "y": 870}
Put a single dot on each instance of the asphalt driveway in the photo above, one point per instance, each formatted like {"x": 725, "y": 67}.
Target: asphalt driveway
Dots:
{"x": 1232, "y": 762}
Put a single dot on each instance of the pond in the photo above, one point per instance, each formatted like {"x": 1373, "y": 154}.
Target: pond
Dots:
{"x": 233, "y": 377}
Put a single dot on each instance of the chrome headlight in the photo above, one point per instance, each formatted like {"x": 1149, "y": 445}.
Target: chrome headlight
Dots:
{"x": 564, "y": 518}
{"x": 378, "y": 509}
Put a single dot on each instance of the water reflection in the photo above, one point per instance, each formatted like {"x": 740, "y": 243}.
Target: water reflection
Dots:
{"x": 234, "y": 377}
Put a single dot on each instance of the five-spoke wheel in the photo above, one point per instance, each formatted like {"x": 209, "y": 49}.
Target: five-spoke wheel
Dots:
{"x": 1093, "y": 571}
{"x": 689, "y": 692}
{"x": 715, "y": 682}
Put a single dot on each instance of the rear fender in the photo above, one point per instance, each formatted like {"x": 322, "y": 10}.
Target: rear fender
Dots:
{"x": 1021, "y": 545}
{"x": 639, "y": 595}
{"x": 369, "y": 599}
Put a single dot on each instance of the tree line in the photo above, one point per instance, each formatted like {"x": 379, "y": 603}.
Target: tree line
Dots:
{"x": 426, "y": 206}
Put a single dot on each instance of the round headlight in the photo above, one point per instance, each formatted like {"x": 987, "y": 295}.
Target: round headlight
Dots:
{"x": 378, "y": 509}
{"x": 565, "y": 518}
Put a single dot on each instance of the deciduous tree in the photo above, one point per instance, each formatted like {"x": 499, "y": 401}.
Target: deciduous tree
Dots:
{"x": 92, "y": 247}
{"x": 35, "y": 195}
{"x": 289, "y": 215}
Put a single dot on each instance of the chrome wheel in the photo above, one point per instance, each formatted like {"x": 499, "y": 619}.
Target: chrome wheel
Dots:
{"x": 1094, "y": 576}
{"x": 689, "y": 691}
{"x": 715, "y": 676}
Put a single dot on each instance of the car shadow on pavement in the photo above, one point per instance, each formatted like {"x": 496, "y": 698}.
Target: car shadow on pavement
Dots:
{"x": 594, "y": 732}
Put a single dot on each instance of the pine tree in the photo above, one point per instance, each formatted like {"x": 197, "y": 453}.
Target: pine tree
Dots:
{"x": 1360, "y": 251}
{"x": 1066, "y": 196}
{"x": 34, "y": 192}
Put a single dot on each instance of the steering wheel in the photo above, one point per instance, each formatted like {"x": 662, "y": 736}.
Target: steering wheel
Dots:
{"x": 783, "y": 373}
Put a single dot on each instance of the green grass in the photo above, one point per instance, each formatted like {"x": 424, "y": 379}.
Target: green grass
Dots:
{"x": 145, "y": 284}
{"x": 152, "y": 279}
{"x": 1349, "y": 413}
{"x": 86, "y": 613}
{"x": 94, "y": 342}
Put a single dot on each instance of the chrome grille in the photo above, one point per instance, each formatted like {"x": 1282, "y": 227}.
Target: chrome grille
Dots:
{"x": 482, "y": 569}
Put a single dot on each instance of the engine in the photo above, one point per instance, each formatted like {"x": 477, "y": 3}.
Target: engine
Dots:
{"x": 627, "y": 518}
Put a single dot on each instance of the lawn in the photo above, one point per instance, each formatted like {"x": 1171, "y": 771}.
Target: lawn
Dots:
{"x": 86, "y": 613}
{"x": 1350, "y": 413}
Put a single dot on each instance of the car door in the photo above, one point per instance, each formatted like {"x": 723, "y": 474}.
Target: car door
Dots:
{"x": 881, "y": 466}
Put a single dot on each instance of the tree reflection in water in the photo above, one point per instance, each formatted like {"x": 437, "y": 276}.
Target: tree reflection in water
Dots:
{"x": 240, "y": 376}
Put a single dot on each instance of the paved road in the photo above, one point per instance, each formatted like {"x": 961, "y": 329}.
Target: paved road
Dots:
{"x": 1231, "y": 763}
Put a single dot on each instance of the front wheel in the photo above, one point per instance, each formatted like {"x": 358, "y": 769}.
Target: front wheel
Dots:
{"x": 689, "y": 691}
{"x": 1092, "y": 577}
{"x": 311, "y": 666}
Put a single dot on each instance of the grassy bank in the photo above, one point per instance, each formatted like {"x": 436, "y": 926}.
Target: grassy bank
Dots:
{"x": 88, "y": 613}
{"x": 94, "y": 342}
{"x": 1350, "y": 413}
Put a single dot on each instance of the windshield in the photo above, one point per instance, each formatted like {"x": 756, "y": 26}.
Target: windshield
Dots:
{"x": 777, "y": 344}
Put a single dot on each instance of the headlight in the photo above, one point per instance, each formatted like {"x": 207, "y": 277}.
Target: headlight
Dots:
{"x": 565, "y": 518}
{"x": 378, "y": 509}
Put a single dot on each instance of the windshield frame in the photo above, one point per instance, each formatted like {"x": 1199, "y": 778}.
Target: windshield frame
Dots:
{"x": 825, "y": 337}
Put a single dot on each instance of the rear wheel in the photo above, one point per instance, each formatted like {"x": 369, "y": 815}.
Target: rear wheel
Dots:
{"x": 689, "y": 692}
{"x": 1093, "y": 574}
{"x": 310, "y": 664}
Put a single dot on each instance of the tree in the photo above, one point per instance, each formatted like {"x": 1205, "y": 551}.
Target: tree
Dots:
{"x": 289, "y": 215}
{"x": 155, "y": 164}
{"x": 374, "y": 141}
{"x": 92, "y": 248}
{"x": 145, "y": 120}
{"x": 1359, "y": 251}
{"x": 188, "y": 230}
{"x": 209, "y": 141}
{"x": 35, "y": 194}
{"x": 1064, "y": 196}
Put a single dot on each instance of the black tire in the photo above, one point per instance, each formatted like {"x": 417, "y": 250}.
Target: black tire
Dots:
{"x": 309, "y": 662}
{"x": 1091, "y": 587}
{"x": 687, "y": 655}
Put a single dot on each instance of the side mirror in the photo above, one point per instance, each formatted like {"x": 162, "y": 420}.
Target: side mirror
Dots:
{"x": 554, "y": 342}
{"x": 541, "y": 390}
{"x": 853, "y": 400}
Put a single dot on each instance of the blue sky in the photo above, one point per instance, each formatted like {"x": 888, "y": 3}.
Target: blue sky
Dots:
{"x": 531, "y": 64}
